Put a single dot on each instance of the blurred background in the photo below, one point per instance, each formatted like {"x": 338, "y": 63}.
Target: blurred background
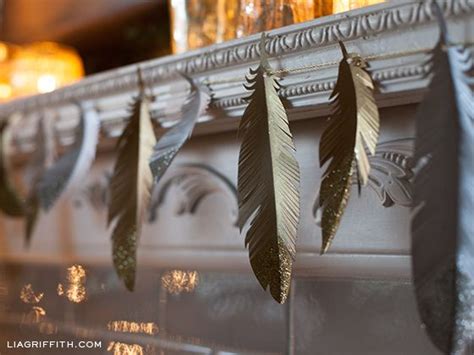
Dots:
{"x": 45, "y": 44}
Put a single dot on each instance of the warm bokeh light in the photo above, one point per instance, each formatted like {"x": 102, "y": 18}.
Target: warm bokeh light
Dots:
{"x": 177, "y": 281}
{"x": 37, "y": 68}
{"x": 133, "y": 327}
{"x": 75, "y": 289}
{"x": 27, "y": 295}
{"x": 5, "y": 91}
{"x": 260, "y": 15}
{"x": 322, "y": 8}
{"x": 125, "y": 349}
{"x": 5, "y": 87}
{"x": 46, "y": 83}
{"x": 129, "y": 327}
{"x": 347, "y": 5}
{"x": 199, "y": 23}
{"x": 3, "y": 52}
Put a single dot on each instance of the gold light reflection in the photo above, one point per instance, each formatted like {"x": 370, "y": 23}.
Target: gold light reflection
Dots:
{"x": 133, "y": 327}
{"x": 27, "y": 295}
{"x": 261, "y": 15}
{"x": 43, "y": 67}
{"x": 5, "y": 91}
{"x": 125, "y": 349}
{"x": 129, "y": 327}
{"x": 177, "y": 281}
{"x": 346, "y": 5}
{"x": 37, "y": 68}
{"x": 5, "y": 87}
{"x": 3, "y": 52}
{"x": 76, "y": 279}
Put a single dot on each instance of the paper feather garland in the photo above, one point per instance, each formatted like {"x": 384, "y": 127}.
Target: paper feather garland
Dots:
{"x": 10, "y": 201}
{"x": 268, "y": 182}
{"x": 353, "y": 125}
{"x": 442, "y": 227}
{"x": 73, "y": 166}
{"x": 171, "y": 142}
{"x": 130, "y": 188}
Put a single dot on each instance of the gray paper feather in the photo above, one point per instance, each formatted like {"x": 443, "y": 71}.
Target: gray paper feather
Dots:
{"x": 268, "y": 182}
{"x": 170, "y": 143}
{"x": 443, "y": 227}
{"x": 42, "y": 158}
{"x": 73, "y": 166}
{"x": 10, "y": 201}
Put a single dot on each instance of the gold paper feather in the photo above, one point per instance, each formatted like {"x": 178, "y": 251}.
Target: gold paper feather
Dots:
{"x": 268, "y": 183}
{"x": 10, "y": 201}
{"x": 354, "y": 125}
{"x": 130, "y": 188}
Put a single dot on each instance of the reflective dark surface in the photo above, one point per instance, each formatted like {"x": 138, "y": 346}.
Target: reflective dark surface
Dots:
{"x": 193, "y": 312}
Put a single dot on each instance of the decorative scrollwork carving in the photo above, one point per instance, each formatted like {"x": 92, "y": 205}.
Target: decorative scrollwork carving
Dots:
{"x": 96, "y": 193}
{"x": 390, "y": 175}
{"x": 392, "y": 171}
{"x": 195, "y": 182}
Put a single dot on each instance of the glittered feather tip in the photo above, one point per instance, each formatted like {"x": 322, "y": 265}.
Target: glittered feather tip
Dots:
{"x": 268, "y": 183}
{"x": 353, "y": 128}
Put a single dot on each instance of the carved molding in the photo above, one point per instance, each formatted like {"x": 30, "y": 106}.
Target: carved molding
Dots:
{"x": 392, "y": 172}
{"x": 96, "y": 193}
{"x": 380, "y": 77}
{"x": 194, "y": 183}
{"x": 390, "y": 176}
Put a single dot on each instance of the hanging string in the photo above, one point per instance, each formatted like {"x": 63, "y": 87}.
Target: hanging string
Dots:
{"x": 315, "y": 67}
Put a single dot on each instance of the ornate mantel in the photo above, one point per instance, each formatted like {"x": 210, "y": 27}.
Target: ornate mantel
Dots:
{"x": 192, "y": 220}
